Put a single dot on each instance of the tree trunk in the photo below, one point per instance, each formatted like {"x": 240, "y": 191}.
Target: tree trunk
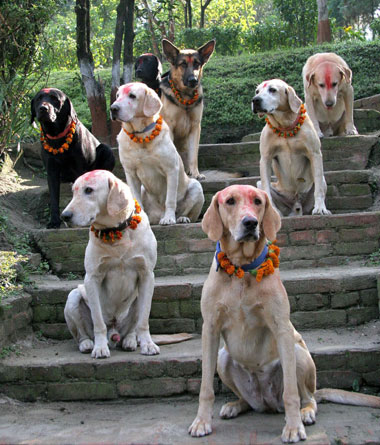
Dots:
{"x": 151, "y": 21}
{"x": 324, "y": 28}
{"x": 203, "y": 12}
{"x": 94, "y": 89}
{"x": 129, "y": 36}
{"x": 115, "y": 82}
{"x": 189, "y": 13}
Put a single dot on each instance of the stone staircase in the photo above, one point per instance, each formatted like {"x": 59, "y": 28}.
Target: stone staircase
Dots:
{"x": 334, "y": 296}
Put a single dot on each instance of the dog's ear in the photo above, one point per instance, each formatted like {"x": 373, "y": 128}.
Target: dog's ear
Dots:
{"x": 346, "y": 73}
{"x": 117, "y": 199}
{"x": 152, "y": 103}
{"x": 206, "y": 51}
{"x": 293, "y": 100}
{"x": 212, "y": 223}
{"x": 310, "y": 78}
{"x": 171, "y": 51}
{"x": 159, "y": 67}
{"x": 271, "y": 220}
{"x": 69, "y": 108}
{"x": 33, "y": 111}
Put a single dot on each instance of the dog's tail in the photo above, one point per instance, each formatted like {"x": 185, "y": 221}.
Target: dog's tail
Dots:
{"x": 346, "y": 397}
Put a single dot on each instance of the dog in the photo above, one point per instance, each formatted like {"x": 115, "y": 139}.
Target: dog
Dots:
{"x": 68, "y": 149}
{"x": 112, "y": 306}
{"x": 329, "y": 95}
{"x": 290, "y": 145}
{"x": 264, "y": 360}
{"x": 152, "y": 165}
{"x": 182, "y": 98}
{"x": 148, "y": 68}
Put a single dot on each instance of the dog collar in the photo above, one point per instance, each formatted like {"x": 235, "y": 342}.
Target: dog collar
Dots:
{"x": 112, "y": 234}
{"x": 264, "y": 264}
{"x": 69, "y": 131}
{"x": 291, "y": 131}
{"x": 177, "y": 94}
{"x": 155, "y": 126}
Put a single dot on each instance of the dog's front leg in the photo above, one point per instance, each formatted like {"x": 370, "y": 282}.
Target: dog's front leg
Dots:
{"x": 320, "y": 185}
{"x": 265, "y": 175}
{"x": 201, "y": 425}
{"x": 312, "y": 114}
{"x": 54, "y": 182}
{"x": 349, "y": 127}
{"x": 192, "y": 152}
{"x": 135, "y": 184}
{"x": 92, "y": 286}
{"x": 171, "y": 194}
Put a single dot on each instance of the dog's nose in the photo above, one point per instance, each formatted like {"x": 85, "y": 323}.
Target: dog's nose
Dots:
{"x": 256, "y": 103}
{"x": 67, "y": 215}
{"x": 114, "y": 110}
{"x": 44, "y": 107}
{"x": 192, "y": 81}
{"x": 249, "y": 222}
{"x": 329, "y": 103}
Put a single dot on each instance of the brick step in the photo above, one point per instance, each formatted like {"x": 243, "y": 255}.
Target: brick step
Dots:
{"x": 319, "y": 298}
{"x": 366, "y": 121}
{"x": 345, "y": 358}
{"x": 306, "y": 241}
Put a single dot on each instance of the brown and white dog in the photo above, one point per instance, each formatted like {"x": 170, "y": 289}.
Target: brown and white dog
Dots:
{"x": 289, "y": 144}
{"x": 264, "y": 360}
{"x": 152, "y": 165}
{"x": 183, "y": 100}
{"x": 329, "y": 95}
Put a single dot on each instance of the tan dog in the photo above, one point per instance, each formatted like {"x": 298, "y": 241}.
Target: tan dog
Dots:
{"x": 264, "y": 360}
{"x": 329, "y": 95}
{"x": 153, "y": 168}
{"x": 183, "y": 100}
{"x": 113, "y": 305}
{"x": 289, "y": 144}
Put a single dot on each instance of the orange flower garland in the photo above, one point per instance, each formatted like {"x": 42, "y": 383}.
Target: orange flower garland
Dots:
{"x": 291, "y": 131}
{"x": 266, "y": 268}
{"x": 178, "y": 96}
{"x": 112, "y": 235}
{"x": 64, "y": 146}
{"x": 155, "y": 132}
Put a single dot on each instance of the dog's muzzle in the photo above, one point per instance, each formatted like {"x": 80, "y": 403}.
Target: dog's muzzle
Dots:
{"x": 191, "y": 82}
{"x": 257, "y": 105}
{"x": 67, "y": 216}
{"x": 114, "y": 111}
{"x": 249, "y": 225}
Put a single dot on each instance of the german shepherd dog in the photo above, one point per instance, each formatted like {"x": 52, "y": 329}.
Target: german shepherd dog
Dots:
{"x": 182, "y": 100}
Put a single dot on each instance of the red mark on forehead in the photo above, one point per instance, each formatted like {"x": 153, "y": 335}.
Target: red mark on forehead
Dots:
{"x": 126, "y": 89}
{"x": 246, "y": 192}
{"x": 265, "y": 84}
{"x": 46, "y": 90}
{"x": 92, "y": 175}
{"x": 189, "y": 59}
{"x": 328, "y": 77}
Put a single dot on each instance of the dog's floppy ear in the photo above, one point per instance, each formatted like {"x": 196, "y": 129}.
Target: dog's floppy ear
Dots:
{"x": 171, "y": 51}
{"x": 117, "y": 199}
{"x": 346, "y": 73}
{"x": 293, "y": 100}
{"x": 271, "y": 220}
{"x": 68, "y": 108}
{"x": 206, "y": 50}
{"x": 152, "y": 103}
{"x": 212, "y": 223}
{"x": 310, "y": 78}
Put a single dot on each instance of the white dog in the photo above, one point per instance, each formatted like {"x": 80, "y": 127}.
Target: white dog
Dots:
{"x": 120, "y": 257}
{"x": 290, "y": 145}
{"x": 329, "y": 95}
{"x": 152, "y": 165}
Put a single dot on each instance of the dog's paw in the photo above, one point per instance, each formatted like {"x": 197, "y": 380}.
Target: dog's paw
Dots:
{"x": 149, "y": 348}
{"x": 167, "y": 220}
{"x": 232, "y": 409}
{"x": 129, "y": 343}
{"x": 321, "y": 210}
{"x": 183, "y": 220}
{"x": 86, "y": 346}
{"x": 101, "y": 351}
{"x": 200, "y": 427}
{"x": 294, "y": 434}
{"x": 351, "y": 130}
{"x": 308, "y": 415}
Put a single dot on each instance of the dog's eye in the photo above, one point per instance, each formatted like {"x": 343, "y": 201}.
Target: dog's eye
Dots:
{"x": 257, "y": 201}
{"x": 272, "y": 90}
{"x": 132, "y": 96}
{"x": 322, "y": 85}
{"x": 334, "y": 84}
{"x": 230, "y": 201}
{"x": 88, "y": 190}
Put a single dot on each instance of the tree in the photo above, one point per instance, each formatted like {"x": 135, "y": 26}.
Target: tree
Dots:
{"x": 324, "y": 28}
{"x": 203, "y": 12}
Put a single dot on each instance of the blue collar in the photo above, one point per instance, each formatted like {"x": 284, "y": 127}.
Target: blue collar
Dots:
{"x": 251, "y": 266}
{"x": 149, "y": 127}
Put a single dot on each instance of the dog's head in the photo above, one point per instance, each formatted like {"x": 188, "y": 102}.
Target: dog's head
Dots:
{"x": 275, "y": 95}
{"x": 327, "y": 78}
{"x": 148, "y": 67}
{"x": 52, "y": 107}
{"x": 135, "y": 100}
{"x": 242, "y": 212}
{"x": 98, "y": 197}
{"x": 187, "y": 64}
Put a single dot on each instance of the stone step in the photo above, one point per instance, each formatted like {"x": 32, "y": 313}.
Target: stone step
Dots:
{"x": 345, "y": 358}
{"x": 339, "y": 153}
{"x": 366, "y": 120}
{"x": 306, "y": 241}
{"x": 319, "y": 298}
{"x": 166, "y": 421}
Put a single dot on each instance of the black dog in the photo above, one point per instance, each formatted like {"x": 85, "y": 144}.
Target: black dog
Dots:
{"x": 148, "y": 68}
{"x": 68, "y": 148}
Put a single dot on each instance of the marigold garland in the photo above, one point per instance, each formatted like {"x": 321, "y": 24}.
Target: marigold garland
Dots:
{"x": 180, "y": 99}
{"x": 266, "y": 268}
{"x": 111, "y": 235}
{"x": 64, "y": 146}
{"x": 289, "y": 132}
{"x": 155, "y": 132}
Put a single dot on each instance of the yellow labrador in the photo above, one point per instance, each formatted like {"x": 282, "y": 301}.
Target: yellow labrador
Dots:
{"x": 329, "y": 95}
{"x": 113, "y": 305}
{"x": 152, "y": 165}
{"x": 264, "y": 360}
{"x": 290, "y": 145}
